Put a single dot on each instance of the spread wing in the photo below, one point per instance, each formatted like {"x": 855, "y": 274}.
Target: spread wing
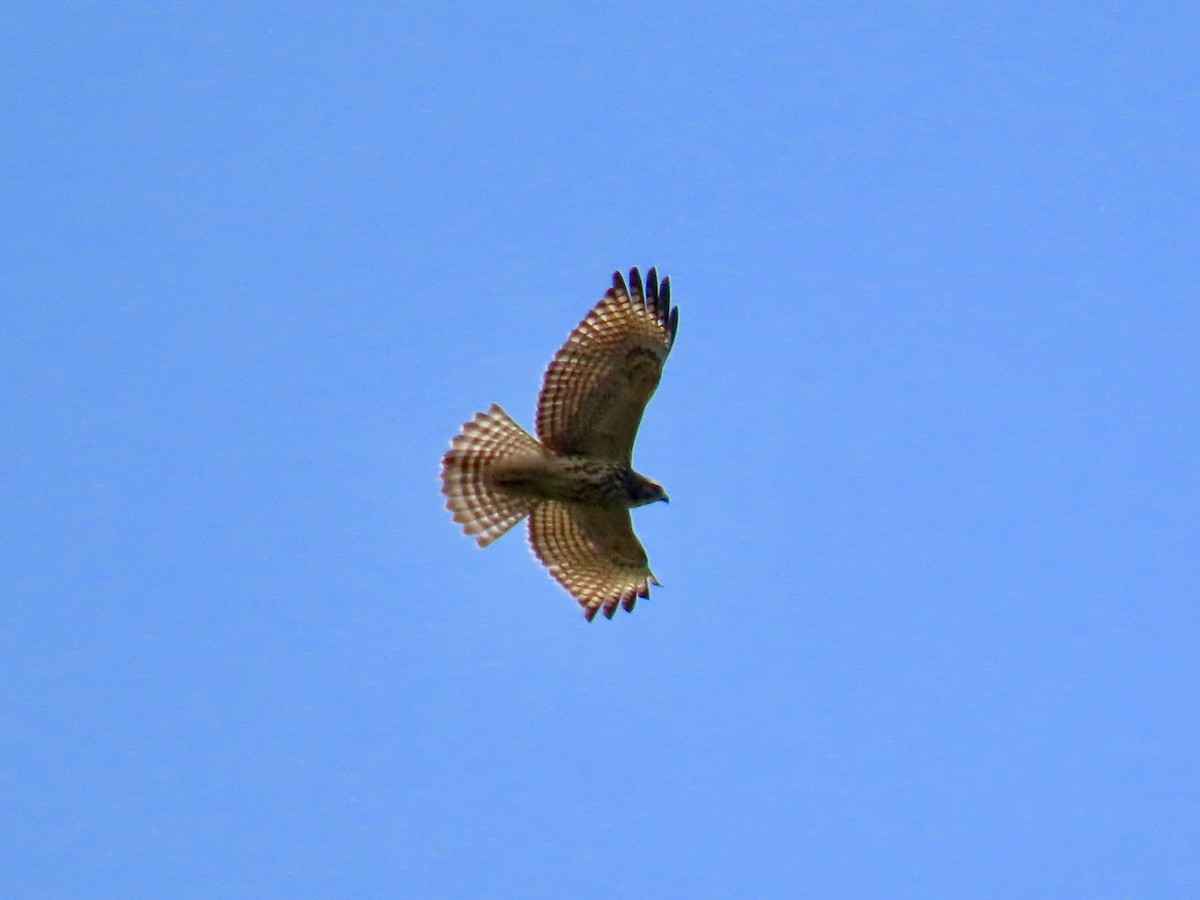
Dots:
{"x": 598, "y": 384}
{"x": 592, "y": 552}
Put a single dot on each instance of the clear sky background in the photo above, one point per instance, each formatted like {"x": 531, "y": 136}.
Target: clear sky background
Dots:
{"x": 929, "y": 624}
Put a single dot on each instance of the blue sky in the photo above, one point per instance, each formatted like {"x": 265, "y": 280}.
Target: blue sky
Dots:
{"x": 929, "y": 619}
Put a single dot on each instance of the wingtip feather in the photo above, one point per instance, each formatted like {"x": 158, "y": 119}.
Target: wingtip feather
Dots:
{"x": 618, "y": 285}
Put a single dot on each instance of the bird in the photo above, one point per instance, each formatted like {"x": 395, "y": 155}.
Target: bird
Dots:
{"x": 575, "y": 480}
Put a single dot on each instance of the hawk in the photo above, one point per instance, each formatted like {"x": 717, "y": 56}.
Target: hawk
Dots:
{"x": 575, "y": 481}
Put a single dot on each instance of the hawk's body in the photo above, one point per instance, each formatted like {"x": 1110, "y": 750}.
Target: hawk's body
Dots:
{"x": 576, "y": 483}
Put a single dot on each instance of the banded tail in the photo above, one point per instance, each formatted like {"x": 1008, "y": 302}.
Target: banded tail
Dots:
{"x": 484, "y": 508}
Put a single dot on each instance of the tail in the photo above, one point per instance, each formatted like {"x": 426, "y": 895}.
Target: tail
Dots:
{"x": 482, "y": 507}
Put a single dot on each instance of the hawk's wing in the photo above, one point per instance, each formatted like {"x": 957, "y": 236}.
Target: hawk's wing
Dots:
{"x": 598, "y": 384}
{"x": 592, "y": 552}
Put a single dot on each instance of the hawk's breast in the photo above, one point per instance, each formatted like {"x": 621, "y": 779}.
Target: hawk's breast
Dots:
{"x": 572, "y": 479}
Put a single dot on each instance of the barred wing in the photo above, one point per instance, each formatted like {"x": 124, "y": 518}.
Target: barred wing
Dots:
{"x": 593, "y": 553}
{"x": 598, "y": 384}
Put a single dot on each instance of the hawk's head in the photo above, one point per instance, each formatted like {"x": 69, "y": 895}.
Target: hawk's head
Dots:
{"x": 643, "y": 491}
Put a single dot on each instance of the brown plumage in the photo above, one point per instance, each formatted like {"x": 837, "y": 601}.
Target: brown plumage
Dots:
{"x": 575, "y": 481}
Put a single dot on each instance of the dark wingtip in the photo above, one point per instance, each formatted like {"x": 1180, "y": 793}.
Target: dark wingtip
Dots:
{"x": 635, "y": 286}
{"x": 653, "y": 294}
